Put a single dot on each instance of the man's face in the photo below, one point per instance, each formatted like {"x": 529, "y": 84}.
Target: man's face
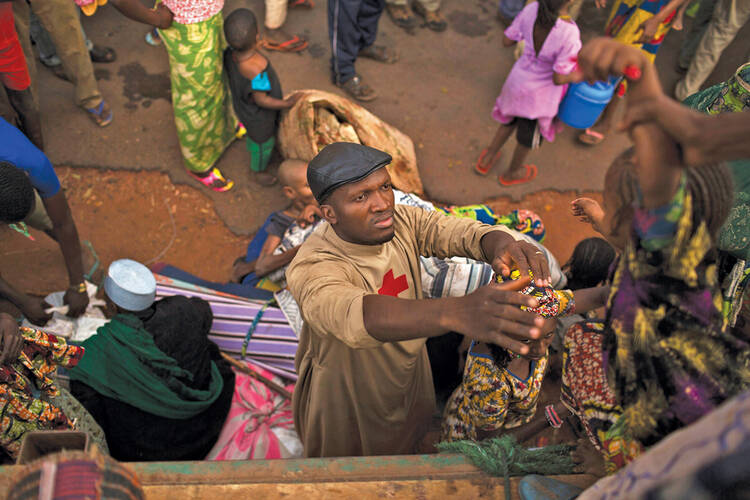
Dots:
{"x": 362, "y": 212}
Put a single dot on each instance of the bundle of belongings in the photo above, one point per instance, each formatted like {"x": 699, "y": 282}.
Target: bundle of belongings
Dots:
{"x": 30, "y": 400}
{"x": 321, "y": 118}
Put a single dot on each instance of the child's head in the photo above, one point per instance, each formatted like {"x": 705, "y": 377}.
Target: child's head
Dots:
{"x": 293, "y": 178}
{"x": 589, "y": 264}
{"x": 709, "y": 185}
{"x": 241, "y": 29}
{"x": 16, "y": 193}
{"x": 548, "y": 12}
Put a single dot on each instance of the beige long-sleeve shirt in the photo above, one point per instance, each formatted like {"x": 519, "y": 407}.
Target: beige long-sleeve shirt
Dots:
{"x": 356, "y": 395}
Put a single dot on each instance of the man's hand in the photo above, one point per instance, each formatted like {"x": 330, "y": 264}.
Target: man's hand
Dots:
{"x": 492, "y": 314}
{"x": 11, "y": 339}
{"x": 76, "y": 301}
{"x": 164, "y": 16}
{"x": 33, "y": 308}
{"x": 505, "y": 253}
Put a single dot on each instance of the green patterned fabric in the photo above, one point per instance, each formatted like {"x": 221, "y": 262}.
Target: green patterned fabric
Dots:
{"x": 202, "y": 107}
{"x": 732, "y": 96}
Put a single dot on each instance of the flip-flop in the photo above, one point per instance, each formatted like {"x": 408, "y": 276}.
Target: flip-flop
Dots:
{"x": 591, "y": 137}
{"x": 294, "y": 44}
{"x": 531, "y": 172}
{"x": 484, "y": 171}
{"x": 309, "y": 4}
{"x": 99, "y": 115}
{"x": 214, "y": 180}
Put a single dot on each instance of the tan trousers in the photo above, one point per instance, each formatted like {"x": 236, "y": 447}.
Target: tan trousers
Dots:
{"x": 275, "y": 13}
{"x": 428, "y": 5}
{"x": 60, "y": 19}
{"x": 729, "y": 16}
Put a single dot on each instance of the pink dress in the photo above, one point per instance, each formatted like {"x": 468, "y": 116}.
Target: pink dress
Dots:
{"x": 529, "y": 91}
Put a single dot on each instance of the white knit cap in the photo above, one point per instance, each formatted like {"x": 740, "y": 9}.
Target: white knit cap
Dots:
{"x": 130, "y": 285}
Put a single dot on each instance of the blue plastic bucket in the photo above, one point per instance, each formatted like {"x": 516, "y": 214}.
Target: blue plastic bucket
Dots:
{"x": 584, "y": 103}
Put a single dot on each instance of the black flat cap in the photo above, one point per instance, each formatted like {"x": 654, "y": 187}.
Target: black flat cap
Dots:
{"x": 342, "y": 163}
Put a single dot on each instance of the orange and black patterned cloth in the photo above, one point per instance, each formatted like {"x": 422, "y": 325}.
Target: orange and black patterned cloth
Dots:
{"x": 26, "y": 386}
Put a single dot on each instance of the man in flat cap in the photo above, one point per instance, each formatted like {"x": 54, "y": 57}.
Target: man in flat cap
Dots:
{"x": 365, "y": 384}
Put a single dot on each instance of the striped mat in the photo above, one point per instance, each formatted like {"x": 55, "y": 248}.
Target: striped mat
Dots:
{"x": 272, "y": 345}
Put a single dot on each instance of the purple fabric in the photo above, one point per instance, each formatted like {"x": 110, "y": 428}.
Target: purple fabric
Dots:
{"x": 529, "y": 91}
{"x": 273, "y": 344}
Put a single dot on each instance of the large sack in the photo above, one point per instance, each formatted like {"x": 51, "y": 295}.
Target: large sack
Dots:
{"x": 320, "y": 118}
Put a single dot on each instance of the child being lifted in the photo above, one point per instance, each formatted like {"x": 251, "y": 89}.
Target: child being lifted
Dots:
{"x": 256, "y": 90}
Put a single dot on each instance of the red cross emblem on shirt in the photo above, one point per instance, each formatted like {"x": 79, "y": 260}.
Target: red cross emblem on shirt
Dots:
{"x": 393, "y": 286}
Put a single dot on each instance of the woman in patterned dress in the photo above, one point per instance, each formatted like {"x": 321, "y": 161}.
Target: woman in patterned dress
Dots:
{"x": 663, "y": 357}
{"x": 192, "y": 34}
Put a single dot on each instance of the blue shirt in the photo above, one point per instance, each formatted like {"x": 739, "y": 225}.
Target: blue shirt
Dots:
{"x": 17, "y": 149}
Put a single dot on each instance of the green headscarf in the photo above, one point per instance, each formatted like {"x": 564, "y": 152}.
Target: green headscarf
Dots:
{"x": 122, "y": 362}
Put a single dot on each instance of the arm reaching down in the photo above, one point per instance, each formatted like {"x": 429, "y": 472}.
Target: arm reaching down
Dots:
{"x": 268, "y": 261}
{"x": 159, "y": 17}
{"x": 65, "y": 233}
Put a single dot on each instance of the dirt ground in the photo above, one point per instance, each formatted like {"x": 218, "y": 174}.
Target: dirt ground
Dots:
{"x": 132, "y": 198}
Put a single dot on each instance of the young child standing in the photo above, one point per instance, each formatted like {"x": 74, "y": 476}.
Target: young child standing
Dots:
{"x": 535, "y": 86}
{"x": 256, "y": 90}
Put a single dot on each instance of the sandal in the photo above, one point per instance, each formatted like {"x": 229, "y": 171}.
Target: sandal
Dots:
{"x": 379, "y": 53}
{"x": 309, "y": 4}
{"x": 214, "y": 180}
{"x": 531, "y": 172}
{"x": 591, "y": 137}
{"x": 101, "y": 115}
{"x": 432, "y": 19}
{"x": 358, "y": 89}
{"x": 99, "y": 54}
{"x": 401, "y": 16}
{"x": 294, "y": 44}
{"x": 153, "y": 38}
{"x": 484, "y": 171}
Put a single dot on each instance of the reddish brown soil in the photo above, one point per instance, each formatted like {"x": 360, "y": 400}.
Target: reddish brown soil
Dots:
{"x": 127, "y": 214}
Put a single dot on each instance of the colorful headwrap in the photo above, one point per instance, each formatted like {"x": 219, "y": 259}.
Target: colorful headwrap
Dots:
{"x": 482, "y": 213}
{"x": 552, "y": 303}
{"x": 524, "y": 221}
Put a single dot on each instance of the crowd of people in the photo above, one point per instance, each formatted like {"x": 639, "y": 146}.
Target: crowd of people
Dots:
{"x": 407, "y": 310}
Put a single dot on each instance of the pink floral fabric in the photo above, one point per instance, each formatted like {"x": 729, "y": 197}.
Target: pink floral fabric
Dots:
{"x": 193, "y": 11}
{"x": 259, "y": 424}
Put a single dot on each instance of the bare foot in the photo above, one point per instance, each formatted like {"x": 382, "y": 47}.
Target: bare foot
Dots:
{"x": 588, "y": 210}
{"x": 513, "y": 175}
{"x": 588, "y": 459}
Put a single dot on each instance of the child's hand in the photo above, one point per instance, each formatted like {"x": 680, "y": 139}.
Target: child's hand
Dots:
{"x": 600, "y": 4}
{"x": 588, "y": 210}
{"x": 308, "y": 215}
{"x": 164, "y": 16}
{"x": 649, "y": 28}
{"x": 292, "y": 99}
